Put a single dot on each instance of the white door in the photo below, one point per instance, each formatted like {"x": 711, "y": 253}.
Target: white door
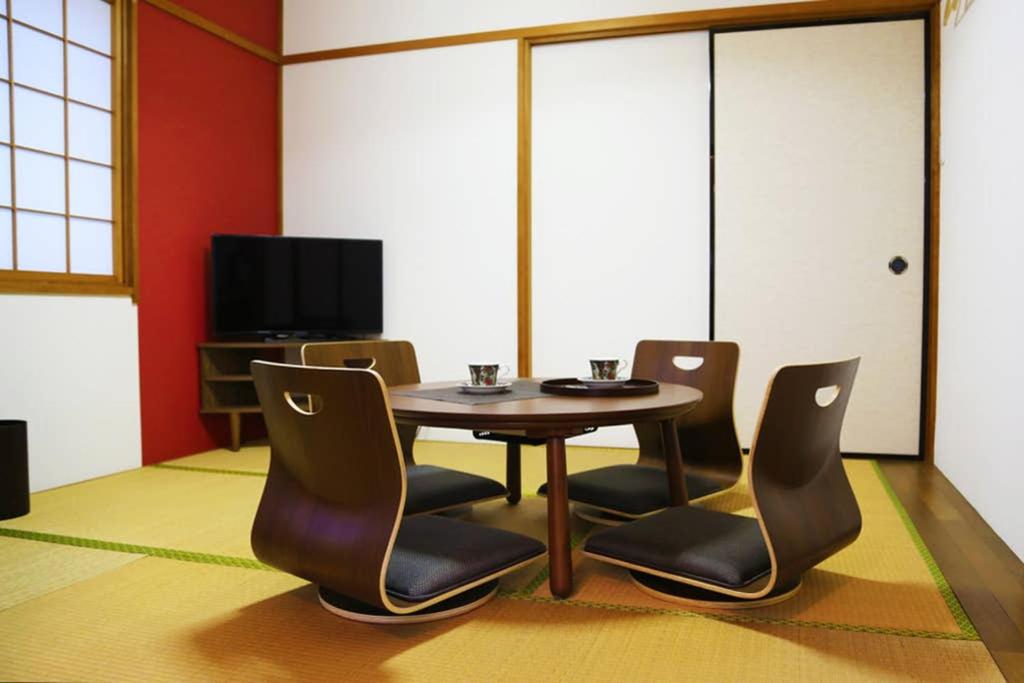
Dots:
{"x": 819, "y": 183}
{"x": 620, "y": 200}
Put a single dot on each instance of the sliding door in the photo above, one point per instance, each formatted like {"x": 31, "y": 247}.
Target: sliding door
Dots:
{"x": 620, "y": 200}
{"x": 819, "y": 215}
{"x": 417, "y": 149}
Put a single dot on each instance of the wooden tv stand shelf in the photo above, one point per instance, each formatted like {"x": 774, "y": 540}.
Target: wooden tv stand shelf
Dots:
{"x": 225, "y": 383}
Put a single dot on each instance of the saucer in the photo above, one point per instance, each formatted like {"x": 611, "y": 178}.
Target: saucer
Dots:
{"x": 591, "y": 382}
{"x": 499, "y": 388}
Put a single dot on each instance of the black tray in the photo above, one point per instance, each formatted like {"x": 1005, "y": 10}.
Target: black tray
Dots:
{"x": 570, "y": 386}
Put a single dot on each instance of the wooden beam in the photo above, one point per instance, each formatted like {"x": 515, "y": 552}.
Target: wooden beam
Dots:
{"x": 524, "y": 250}
{"x": 931, "y": 358}
{"x": 216, "y": 29}
{"x": 280, "y": 121}
{"x": 32, "y": 282}
{"x": 131, "y": 159}
{"x": 729, "y": 17}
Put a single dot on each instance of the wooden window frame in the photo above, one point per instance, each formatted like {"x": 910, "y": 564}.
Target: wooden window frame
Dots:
{"x": 124, "y": 163}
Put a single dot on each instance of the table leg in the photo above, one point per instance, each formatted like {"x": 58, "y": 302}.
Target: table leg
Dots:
{"x": 674, "y": 464}
{"x": 513, "y": 472}
{"x": 236, "y": 430}
{"x": 559, "y": 553}
{"x": 407, "y": 439}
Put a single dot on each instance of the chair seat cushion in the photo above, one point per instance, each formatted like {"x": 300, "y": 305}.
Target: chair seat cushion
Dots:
{"x": 630, "y": 489}
{"x": 434, "y": 555}
{"x": 433, "y": 488}
{"x": 715, "y": 547}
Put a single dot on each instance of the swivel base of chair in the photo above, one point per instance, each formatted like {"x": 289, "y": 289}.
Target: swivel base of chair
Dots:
{"x": 691, "y": 596}
{"x": 599, "y": 516}
{"x": 349, "y": 608}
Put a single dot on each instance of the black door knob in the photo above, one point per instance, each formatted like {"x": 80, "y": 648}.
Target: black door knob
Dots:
{"x": 898, "y": 265}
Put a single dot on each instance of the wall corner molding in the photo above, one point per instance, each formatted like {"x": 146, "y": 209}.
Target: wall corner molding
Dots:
{"x": 216, "y": 29}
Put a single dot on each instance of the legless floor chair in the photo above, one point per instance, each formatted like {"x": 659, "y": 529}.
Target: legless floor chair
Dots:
{"x": 332, "y": 508}
{"x": 431, "y": 488}
{"x": 707, "y": 437}
{"x": 805, "y": 507}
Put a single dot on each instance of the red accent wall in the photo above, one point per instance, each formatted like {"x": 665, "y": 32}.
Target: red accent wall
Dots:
{"x": 208, "y": 162}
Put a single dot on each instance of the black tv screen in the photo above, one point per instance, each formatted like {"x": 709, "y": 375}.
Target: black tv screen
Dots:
{"x": 296, "y": 285}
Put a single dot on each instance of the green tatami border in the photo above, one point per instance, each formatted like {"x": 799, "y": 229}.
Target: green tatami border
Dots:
{"x": 952, "y": 602}
{"x": 967, "y": 630}
{"x": 742, "y": 618}
{"x": 963, "y": 622}
{"x": 131, "y": 548}
{"x": 210, "y": 470}
{"x": 247, "y": 563}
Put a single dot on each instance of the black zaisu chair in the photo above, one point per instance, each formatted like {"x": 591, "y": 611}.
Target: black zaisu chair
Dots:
{"x": 431, "y": 488}
{"x": 707, "y": 436}
{"x": 332, "y": 510}
{"x": 805, "y": 508}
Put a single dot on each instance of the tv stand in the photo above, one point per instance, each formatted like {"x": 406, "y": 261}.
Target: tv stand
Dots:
{"x": 304, "y": 337}
{"x": 225, "y": 380}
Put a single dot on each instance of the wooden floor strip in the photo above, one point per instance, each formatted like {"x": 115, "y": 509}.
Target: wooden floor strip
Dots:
{"x": 986, "y": 576}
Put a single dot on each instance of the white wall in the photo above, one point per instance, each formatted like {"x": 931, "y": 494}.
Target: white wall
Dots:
{"x": 979, "y": 440}
{"x": 326, "y": 24}
{"x": 71, "y": 369}
{"x": 417, "y": 149}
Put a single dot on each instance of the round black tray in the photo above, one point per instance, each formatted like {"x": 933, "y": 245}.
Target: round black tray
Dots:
{"x": 570, "y": 386}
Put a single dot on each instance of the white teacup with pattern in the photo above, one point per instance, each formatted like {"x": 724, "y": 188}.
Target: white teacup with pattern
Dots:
{"x": 607, "y": 368}
{"x": 486, "y": 374}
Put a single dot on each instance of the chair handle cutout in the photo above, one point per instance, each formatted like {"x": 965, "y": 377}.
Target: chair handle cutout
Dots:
{"x": 688, "y": 363}
{"x": 304, "y": 404}
{"x": 826, "y": 396}
{"x": 364, "y": 363}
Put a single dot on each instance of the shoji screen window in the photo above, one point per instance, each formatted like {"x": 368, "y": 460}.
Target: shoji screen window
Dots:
{"x": 57, "y": 125}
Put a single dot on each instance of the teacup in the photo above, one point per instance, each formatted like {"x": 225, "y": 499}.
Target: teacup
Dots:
{"x": 486, "y": 374}
{"x": 607, "y": 368}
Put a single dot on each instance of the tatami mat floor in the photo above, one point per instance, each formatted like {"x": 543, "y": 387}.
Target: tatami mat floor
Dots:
{"x": 148, "y": 575}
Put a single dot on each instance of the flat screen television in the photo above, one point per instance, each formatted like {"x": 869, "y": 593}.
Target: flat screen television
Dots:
{"x": 303, "y": 286}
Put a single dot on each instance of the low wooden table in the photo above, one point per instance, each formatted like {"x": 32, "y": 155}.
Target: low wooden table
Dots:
{"x": 554, "y": 418}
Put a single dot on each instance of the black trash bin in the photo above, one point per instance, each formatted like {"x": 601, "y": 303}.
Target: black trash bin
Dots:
{"x": 13, "y": 468}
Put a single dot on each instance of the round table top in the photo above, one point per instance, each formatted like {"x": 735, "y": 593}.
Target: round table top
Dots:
{"x": 548, "y": 414}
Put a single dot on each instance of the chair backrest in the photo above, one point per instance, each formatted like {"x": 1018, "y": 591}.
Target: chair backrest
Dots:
{"x": 395, "y": 361}
{"x": 336, "y": 488}
{"x": 707, "y": 434}
{"x": 797, "y": 480}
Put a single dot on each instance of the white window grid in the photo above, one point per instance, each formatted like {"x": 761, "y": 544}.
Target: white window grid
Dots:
{"x": 74, "y": 233}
